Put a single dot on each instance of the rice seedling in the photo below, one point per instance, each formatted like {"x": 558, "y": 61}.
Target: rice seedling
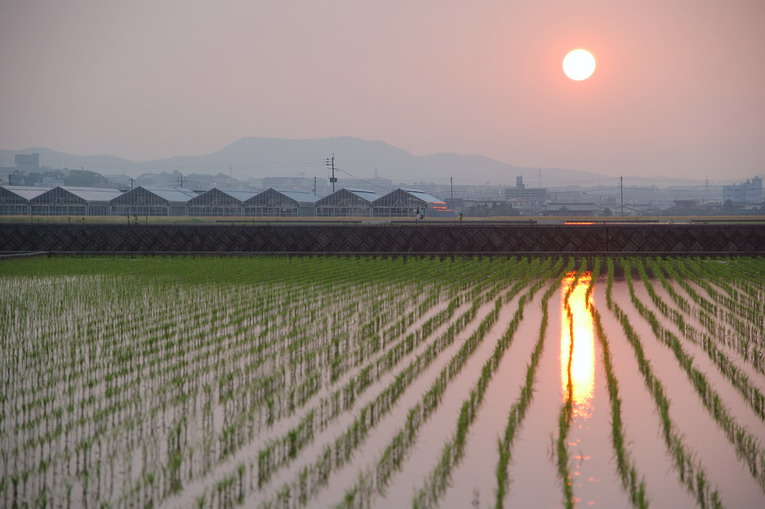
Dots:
{"x": 689, "y": 469}
{"x": 214, "y": 382}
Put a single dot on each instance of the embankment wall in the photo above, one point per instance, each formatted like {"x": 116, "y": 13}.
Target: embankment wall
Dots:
{"x": 360, "y": 239}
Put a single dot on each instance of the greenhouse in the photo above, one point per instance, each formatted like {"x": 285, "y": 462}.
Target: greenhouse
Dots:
{"x": 347, "y": 202}
{"x": 275, "y": 203}
{"x": 159, "y": 201}
{"x": 410, "y": 203}
{"x": 73, "y": 201}
{"x": 219, "y": 202}
{"x": 14, "y": 200}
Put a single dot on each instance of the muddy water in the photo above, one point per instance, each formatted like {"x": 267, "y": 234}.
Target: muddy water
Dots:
{"x": 308, "y": 455}
{"x": 441, "y": 424}
{"x": 593, "y": 472}
{"x": 430, "y": 445}
{"x": 757, "y": 378}
{"x": 473, "y": 482}
{"x": 734, "y": 401}
{"x": 701, "y": 434}
{"x": 641, "y": 422}
{"x": 532, "y": 472}
{"x": 378, "y": 439}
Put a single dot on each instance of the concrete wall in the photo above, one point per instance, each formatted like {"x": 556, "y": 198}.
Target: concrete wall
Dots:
{"x": 446, "y": 239}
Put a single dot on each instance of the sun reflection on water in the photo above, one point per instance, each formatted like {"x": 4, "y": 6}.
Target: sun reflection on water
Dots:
{"x": 577, "y": 320}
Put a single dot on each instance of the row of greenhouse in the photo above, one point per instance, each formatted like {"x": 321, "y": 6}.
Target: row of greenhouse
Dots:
{"x": 147, "y": 201}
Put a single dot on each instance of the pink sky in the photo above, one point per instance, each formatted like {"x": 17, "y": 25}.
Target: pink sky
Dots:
{"x": 679, "y": 89}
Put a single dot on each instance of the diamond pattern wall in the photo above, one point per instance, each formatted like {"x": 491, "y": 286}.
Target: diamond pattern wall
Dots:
{"x": 749, "y": 239}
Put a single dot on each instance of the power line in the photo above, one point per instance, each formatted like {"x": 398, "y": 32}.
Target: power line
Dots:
{"x": 361, "y": 179}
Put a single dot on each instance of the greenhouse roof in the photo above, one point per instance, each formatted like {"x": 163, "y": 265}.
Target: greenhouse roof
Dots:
{"x": 26, "y": 192}
{"x": 423, "y": 196}
{"x": 369, "y": 196}
{"x": 174, "y": 194}
{"x": 238, "y": 194}
{"x": 93, "y": 193}
{"x": 299, "y": 196}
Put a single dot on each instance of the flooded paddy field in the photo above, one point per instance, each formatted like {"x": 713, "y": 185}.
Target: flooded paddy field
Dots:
{"x": 382, "y": 382}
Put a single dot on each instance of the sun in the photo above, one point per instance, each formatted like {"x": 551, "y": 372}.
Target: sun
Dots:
{"x": 579, "y": 64}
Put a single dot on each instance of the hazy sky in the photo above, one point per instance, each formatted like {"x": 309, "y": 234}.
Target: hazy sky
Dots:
{"x": 679, "y": 89}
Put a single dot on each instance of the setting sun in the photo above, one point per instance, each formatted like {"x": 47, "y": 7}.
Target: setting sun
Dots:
{"x": 579, "y": 64}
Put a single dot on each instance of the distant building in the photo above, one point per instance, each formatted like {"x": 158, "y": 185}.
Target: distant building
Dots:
{"x": 73, "y": 201}
{"x": 219, "y": 202}
{"x": 28, "y": 162}
{"x": 152, "y": 201}
{"x": 281, "y": 204}
{"x": 684, "y": 208}
{"x": 410, "y": 203}
{"x": 527, "y": 199}
{"x": 748, "y": 192}
{"x": 572, "y": 209}
{"x": 347, "y": 202}
{"x": 14, "y": 200}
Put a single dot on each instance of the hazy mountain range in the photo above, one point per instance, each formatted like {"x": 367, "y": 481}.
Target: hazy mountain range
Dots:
{"x": 273, "y": 157}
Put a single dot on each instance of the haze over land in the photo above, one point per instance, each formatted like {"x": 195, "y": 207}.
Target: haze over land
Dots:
{"x": 270, "y": 157}
{"x": 677, "y": 91}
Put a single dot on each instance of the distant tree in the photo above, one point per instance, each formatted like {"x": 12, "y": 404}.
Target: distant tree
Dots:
{"x": 607, "y": 212}
{"x": 28, "y": 179}
{"x": 85, "y": 178}
{"x": 728, "y": 206}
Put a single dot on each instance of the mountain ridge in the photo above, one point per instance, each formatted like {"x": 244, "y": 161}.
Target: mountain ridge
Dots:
{"x": 258, "y": 157}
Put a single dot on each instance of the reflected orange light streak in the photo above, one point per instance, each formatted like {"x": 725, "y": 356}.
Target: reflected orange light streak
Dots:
{"x": 583, "y": 358}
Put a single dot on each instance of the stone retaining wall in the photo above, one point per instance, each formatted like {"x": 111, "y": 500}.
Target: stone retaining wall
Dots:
{"x": 420, "y": 238}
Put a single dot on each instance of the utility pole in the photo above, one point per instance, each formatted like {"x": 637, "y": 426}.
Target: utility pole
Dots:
{"x": 330, "y": 162}
{"x": 180, "y": 179}
{"x": 706, "y": 191}
{"x": 621, "y": 191}
{"x": 451, "y": 188}
{"x": 314, "y": 186}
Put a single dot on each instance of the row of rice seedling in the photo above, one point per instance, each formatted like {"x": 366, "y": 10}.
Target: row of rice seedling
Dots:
{"x": 229, "y": 429}
{"x": 743, "y": 337}
{"x": 395, "y": 451}
{"x": 707, "y": 275}
{"x": 747, "y": 277}
{"x": 176, "y": 369}
{"x": 216, "y": 382}
{"x": 438, "y": 479}
{"x": 565, "y": 415}
{"x": 348, "y": 394}
{"x": 747, "y": 445}
{"x": 690, "y": 471}
{"x": 314, "y": 476}
{"x": 520, "y": 408}
{"x": 727, "y": 366}
{"x": 625, "y": 465}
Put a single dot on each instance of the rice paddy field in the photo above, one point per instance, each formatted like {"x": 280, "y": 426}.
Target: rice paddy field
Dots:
{"x": 382, "y": 382}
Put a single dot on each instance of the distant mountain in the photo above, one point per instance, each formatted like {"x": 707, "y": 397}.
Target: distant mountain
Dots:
{"x": 58, "y": 160}
{"x": 273, "y": 157}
